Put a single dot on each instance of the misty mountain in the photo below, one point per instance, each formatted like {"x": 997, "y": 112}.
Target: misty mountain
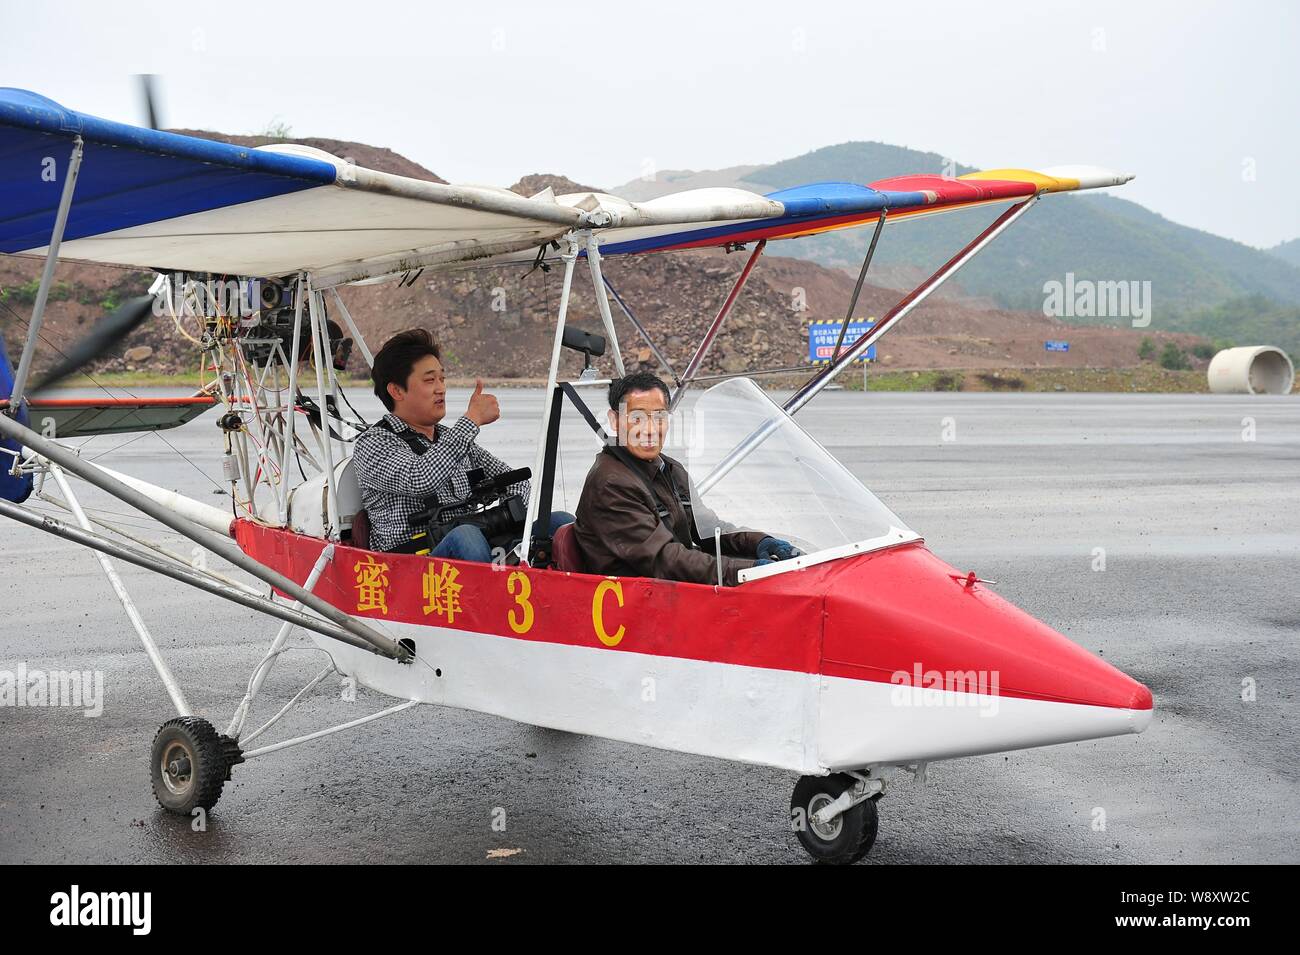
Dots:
{"x": 1102, "y": 237}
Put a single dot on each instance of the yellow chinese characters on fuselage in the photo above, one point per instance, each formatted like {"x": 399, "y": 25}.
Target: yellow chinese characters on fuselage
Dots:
{"x": 371, "y": 584}
{"x": 441, "y": 592}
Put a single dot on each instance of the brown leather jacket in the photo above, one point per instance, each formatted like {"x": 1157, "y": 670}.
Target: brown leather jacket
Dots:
{"x": 619, "y": 531}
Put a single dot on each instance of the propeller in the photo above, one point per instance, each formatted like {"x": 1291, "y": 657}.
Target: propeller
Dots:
{"x": 149, "y": 98}
{"x": 107, "y": 333}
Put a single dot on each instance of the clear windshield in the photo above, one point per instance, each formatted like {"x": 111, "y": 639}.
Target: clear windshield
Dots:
{"x": 754, "y": 467}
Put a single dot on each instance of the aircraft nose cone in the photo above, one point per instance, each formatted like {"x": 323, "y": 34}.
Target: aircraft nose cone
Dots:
{"x": 909, "y": 640}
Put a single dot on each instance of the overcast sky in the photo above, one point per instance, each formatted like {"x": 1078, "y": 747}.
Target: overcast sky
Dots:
{"x": 1200, "y": 99}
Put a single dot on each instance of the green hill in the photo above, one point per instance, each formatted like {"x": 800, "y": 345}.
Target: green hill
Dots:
{"x": 1288, "y": 251}
{"x": 1100, "y": 237}
{"x": 1247, "y": 320}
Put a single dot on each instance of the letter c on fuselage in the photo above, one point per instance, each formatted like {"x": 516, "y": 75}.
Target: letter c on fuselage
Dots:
{"x": 598, "y": 612}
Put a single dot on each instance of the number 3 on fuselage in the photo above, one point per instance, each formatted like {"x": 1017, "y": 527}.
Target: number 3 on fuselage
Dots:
{"x": 524, "y": 622}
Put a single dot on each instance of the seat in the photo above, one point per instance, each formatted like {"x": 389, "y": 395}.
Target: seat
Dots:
{"x": 361, "y": 530}
{"x": 564, "y": 550}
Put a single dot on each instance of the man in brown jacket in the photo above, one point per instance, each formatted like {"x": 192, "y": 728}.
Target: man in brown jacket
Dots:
{"x": 635, "y": 515}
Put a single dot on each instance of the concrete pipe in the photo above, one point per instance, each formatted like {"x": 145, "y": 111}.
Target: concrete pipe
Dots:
{"x": 1251, "y": 370}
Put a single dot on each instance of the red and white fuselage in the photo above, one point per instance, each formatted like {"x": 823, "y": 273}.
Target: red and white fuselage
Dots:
{"x": 884, "y": 658}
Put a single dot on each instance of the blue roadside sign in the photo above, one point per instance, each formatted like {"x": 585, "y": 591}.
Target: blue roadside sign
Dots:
{"x": 822, "y": 336}
{"x": 1056, "y": 346}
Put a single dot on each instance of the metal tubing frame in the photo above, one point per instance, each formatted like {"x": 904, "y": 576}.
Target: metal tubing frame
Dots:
{"x": 47, "y": 277}
{"x": 319, "y": 337}
{"x": 570, "y": 258}
{"x": 787, "y": 370}
{"x": 151, "y": 650}
{"x": 819, "y": 381}
{"x": 906, "y": 304}
{"x": 406, "y": 705}
{"x": 56, "y": 453}
{"x": 863, "y": 788}
{"x": 291, "y": 403}
{"x": 602, "y": 300}
{"x": 204, "y": 515}
{"x": 352, "y": 327}
{"x": 263, "y": 668}
{"x": 157, "y": 548}
{"x": 707, "y": 342}
{"x": 186, "y": 576}
{"x": 640, "y": 329}
{"x": 311, "y": 685}
{"x": 862, "y": 277}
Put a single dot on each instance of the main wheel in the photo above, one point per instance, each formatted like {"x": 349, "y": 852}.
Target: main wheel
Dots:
{"x": 846, "y": 838}
{"x": 189, "y": 765}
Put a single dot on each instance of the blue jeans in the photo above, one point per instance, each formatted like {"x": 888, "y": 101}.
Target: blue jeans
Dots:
{"x": 467, "y": 542}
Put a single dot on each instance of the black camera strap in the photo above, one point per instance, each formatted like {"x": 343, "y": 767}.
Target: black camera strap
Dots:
{"x": 412, "y": 440}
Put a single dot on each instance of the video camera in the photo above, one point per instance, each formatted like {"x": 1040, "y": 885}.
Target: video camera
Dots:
{"x": 499, "y": 516}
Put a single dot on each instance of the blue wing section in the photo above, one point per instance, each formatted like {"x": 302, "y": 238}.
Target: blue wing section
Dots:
{"x": 129, "y": 176}
{"x": 808, "y": 208}
{"x": 832, "y": 198}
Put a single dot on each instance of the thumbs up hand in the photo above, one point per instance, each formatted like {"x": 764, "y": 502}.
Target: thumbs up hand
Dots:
{"x": 483, "y": 408}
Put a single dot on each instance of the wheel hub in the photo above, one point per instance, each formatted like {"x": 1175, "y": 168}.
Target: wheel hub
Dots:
{"x": 826, "y": 831}
{"x": 177, "y": 768}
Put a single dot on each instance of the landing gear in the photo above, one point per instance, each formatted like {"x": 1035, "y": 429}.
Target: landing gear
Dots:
{"x": 190, "y": 763}
{"x": 835, "y": 816}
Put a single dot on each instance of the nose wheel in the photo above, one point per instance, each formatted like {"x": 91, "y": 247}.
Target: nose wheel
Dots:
{"x": 834, "y": 817}
{"x": 190, "y": 763}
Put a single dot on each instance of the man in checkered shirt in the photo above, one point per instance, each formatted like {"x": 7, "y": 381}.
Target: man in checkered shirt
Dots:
{"x": 395, "y": 480}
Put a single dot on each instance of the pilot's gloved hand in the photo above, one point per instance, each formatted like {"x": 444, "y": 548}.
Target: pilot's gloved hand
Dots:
{"x": 762, "y": 562}
{"x": 772, "y": 548}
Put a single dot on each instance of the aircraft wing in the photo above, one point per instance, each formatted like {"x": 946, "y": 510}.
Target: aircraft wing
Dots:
{"x": 826, "y": 206}
{"x": 162, "y": 201}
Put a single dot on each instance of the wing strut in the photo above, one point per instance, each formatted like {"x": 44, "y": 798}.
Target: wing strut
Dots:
{"x": 47, "y": 277}
{"x": 862, "y": 276}
{"x": 574, "y": 241}
{"x": 636, "y": 323}
{"x": 905, "y": 305}
{"x": 705, "y": 343}
{"x": 827, "y": 374}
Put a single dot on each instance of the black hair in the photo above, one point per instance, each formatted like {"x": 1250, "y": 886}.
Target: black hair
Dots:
{"x": 637, "y": 381}
{"x": 393, "y": 362}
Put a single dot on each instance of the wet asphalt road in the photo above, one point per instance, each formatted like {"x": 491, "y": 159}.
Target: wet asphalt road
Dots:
{"x": 1201, "y": 533}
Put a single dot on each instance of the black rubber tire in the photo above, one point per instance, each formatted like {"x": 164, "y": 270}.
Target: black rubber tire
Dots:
{"x": 847, "y": 842}
{"x": 195, "y": 739}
